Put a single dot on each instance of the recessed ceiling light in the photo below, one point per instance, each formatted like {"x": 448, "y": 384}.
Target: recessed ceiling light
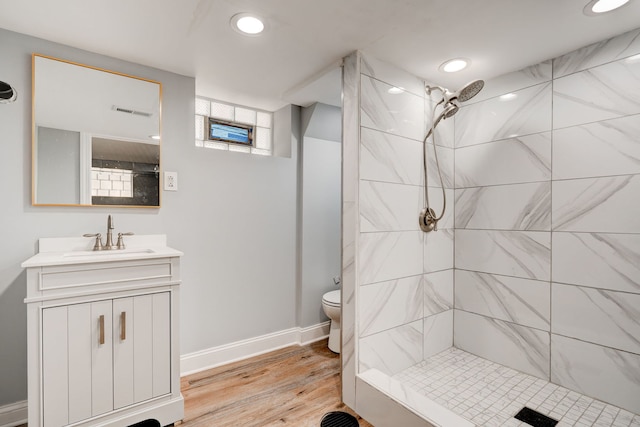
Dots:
{"x": 596, "y": 7}
{"x": 454, "y": 65}
{"x": 247, "y": 24}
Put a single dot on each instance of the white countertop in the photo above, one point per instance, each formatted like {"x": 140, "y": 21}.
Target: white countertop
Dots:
{"x": 78, "y": 250}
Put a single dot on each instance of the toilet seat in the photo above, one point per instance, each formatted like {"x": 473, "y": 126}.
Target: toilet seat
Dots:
{"x": 332, "y": 298}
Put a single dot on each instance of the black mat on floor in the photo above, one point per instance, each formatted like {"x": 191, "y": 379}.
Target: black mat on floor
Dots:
{"x": 535, "y": 418}
{"x": 339, "y": 419}
{"x": 146, "y": 423}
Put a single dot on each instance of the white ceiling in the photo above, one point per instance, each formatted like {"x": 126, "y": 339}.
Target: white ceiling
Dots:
{"x": 305, "y": 39}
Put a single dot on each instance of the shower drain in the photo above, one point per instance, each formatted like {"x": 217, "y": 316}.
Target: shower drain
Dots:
{"x": 534, "y": 418}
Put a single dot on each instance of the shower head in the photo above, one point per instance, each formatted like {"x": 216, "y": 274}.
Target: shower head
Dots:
{"x": 451, "y": 100}
{"x": 450, "y": 109}
{"x": 470, "y": 90}
{"x": 463, "y": 94}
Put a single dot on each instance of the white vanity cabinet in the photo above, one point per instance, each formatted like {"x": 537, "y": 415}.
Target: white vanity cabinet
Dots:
{"x": 103, "y": 345}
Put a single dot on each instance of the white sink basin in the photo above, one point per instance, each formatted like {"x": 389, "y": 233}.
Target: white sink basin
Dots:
{"x": 107, "y": 253}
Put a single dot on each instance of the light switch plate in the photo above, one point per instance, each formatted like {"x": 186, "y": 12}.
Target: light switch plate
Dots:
{"x": 171, "y": 181}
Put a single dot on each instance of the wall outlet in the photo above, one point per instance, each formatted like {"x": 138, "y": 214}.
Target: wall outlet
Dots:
{"x": 171, "y": 181}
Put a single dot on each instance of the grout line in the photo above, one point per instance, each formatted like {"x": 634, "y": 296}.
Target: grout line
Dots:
{"x": 551, "y": 227}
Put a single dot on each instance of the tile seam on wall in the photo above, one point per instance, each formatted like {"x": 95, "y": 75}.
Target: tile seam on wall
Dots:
{"x": 503, "y": 275}
{"x": 542, "y": 181}
{"x": 506, "y": 321}
{"x": 453, "y": 303}
{"x": 391, "y": 84}
{"x": 409, "y": 322}
{"x": 391, "y": 133}
{"x": 594, "y": 177}
{"x": 415, "y": 230}
{"x": 596, "y": 232}
{"x": 439, "y": 270}
{"x": 392, "y": 280}
{"x": 600, "y": 64}
{"x": 510, "y": 230}
{"x": 541, "y": 82}
{"x": 391, "y": 182}
{"x": 409, "y": 184}
{"x": 608, "y": 119}
{"x": 595, "y": 344}
{"x": 592, "y": 287}
{"x": 599, "y": 45}
{"x": 504, "y": 139}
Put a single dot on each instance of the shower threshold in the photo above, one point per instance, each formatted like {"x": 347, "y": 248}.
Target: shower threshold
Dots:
{"x": 490, "y": 394}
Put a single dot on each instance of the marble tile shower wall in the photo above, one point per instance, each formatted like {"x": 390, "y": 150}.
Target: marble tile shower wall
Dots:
{"x": 547, "y": 221}
{"x": 405, "y": 298}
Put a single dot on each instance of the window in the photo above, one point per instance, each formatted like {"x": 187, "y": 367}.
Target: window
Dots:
{"x": 233, "y": 128}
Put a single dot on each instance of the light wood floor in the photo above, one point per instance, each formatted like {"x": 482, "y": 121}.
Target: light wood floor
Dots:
{"x": 294, "y": 386}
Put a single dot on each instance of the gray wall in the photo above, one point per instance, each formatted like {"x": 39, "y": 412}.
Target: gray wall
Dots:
{"x": 320, "y": 200}
{"x": 320, "y": 225}
{"x": 234, "y": 217}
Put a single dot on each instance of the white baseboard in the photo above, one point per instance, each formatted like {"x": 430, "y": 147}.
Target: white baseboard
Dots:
{"x": 221, "y": 355}
{"x": 13, "y": 414}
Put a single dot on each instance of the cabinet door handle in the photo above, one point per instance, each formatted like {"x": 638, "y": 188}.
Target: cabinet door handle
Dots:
{"x": 101, "y": 325}
{"x": 123, "y": 326}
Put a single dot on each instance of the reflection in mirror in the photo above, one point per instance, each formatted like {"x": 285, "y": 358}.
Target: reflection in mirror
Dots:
{"x": 96, "y": 136}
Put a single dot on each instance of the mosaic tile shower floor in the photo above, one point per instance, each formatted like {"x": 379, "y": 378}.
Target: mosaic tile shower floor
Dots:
{"x": 489, "y": 394}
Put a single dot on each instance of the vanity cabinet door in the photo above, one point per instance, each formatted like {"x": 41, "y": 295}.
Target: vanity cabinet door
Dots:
{"x": 102, "y": 359}
{"x": 55, "y": 367}
{"x": 123, "y": 346}
{"x": 76, "y": 362}
{"x": 141, "y": 348}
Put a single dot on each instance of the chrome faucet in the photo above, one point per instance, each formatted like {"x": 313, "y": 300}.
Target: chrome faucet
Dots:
{"x": 98, "y": 246}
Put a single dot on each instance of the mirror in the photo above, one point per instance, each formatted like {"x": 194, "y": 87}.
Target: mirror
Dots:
{"x": 96, "y": 136}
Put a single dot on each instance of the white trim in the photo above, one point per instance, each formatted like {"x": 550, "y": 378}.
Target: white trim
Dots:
{"x": 314, "y": 333}
{"x": 239, "y": 350}
{"x": 13, "y": 414}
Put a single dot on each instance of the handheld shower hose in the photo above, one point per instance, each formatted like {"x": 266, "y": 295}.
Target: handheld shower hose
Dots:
{"x": 428, "y": 218}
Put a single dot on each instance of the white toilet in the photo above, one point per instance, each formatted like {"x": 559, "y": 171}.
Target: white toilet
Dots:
{"x": 331, "y": 307}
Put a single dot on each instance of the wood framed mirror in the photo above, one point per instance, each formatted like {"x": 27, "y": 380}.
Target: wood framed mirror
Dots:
{"x": 95, "y": 136}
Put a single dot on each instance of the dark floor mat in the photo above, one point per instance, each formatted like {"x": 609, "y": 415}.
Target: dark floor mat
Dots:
{"x": 535, "y": 418}
{"x": 146, "y": 423}
{"x": 339, "y": 419}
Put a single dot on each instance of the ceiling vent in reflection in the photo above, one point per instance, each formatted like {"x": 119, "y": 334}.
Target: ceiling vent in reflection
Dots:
{"x": 131, "y": 111}
{"x": 7, "y": 93}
